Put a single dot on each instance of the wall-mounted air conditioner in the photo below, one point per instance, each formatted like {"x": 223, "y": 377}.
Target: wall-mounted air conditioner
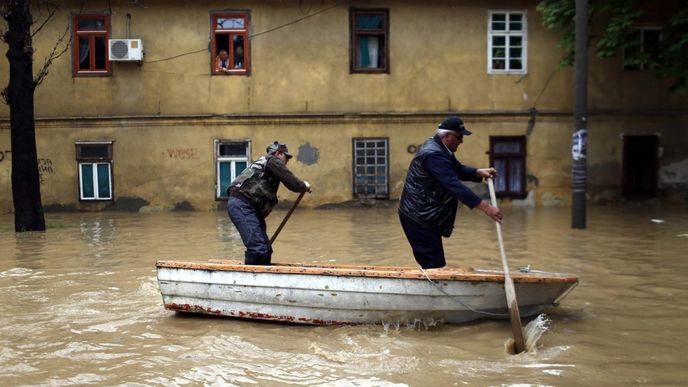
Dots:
{"x": 125, "y": 49}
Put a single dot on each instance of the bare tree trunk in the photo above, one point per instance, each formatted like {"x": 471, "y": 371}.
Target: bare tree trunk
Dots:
{"x": 26, "y": 188}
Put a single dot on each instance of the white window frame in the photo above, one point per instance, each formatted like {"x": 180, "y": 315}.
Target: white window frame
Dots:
{"x": 523, "y": 33}
{"x": 94, "y": 162}
{"x": 232, "y": 160}
{"x": 642, "y": 45}
{"x": 96, "y": 191}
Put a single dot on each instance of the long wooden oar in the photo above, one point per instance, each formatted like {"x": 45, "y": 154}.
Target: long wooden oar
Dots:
{"x": 284, "y": 221}
{"x": 519, "y": 341}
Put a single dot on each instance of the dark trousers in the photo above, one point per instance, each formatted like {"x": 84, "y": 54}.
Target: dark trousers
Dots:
{"x": 252, "y": 229}
{"x": 425, "y": 243}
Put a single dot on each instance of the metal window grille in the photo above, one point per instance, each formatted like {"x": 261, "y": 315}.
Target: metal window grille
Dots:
{"x": 371, "y": 168}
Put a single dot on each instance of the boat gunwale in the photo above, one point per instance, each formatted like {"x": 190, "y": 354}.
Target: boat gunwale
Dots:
{"x": 394, "y": 272}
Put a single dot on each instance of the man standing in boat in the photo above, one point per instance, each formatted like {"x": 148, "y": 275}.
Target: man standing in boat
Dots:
{"x": 253, "y": 195}
{"x": 432, "y": 190}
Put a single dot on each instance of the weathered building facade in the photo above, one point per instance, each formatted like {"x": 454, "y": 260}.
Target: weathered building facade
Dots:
{"x": 142, "y": 114}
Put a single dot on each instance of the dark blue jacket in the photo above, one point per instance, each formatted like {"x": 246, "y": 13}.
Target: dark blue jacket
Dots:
{"x": 433, "y": 187}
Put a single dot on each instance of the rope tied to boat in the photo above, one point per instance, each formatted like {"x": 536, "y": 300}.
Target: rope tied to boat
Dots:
{"x": 459, "y": 300}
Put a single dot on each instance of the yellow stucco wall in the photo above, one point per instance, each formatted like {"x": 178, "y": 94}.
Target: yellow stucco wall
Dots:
{"x": 437, "y": 61}
{"x": 300, "y": 91}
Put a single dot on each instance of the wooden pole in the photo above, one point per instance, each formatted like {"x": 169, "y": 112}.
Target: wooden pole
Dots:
{"x": 512, "y": 303}
{"x": 284, "y": 221}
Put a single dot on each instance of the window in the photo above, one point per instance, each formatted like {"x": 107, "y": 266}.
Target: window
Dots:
{"x": 371, "y": 168}
{"x": 508, "y": 156}
{"x": 91, "y": 33}
{"x": 643, "y": 54}
{"x": 231, "y": 158}
{"x": 230, "y": 48}
{"x": 369, "y": 41}
{"x": 506, "y": 43}
{"x": 94, "y": 162}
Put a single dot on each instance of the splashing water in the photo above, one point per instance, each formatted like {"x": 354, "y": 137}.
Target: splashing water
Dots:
{"x": 531, "y": 333}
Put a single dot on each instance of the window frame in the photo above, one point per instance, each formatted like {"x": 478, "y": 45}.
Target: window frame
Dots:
{"x": 520, "y": 157}
{"x": 354, "y": 165}
{"x": 92, "y": 35}
{"x": 219, "y": 194}
{"x": 353, "y": 39}
{"x": 507, "y": 33}
{"x": 94, "y": 161}
{"x": 642, "y": 30}
{"x": 244, "y": 32}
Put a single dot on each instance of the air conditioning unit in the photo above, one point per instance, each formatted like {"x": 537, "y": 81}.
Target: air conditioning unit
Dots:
{"x": 125, "y": 49}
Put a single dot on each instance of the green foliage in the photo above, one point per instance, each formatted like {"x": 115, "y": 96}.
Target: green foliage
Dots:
{"x": 619, "y": 19}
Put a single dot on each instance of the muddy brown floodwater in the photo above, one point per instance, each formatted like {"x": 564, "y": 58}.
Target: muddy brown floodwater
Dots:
{"x": 80, "y": 303}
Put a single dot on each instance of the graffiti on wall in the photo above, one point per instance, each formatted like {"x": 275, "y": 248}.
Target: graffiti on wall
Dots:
{"x": 183, "y": 153}
{"x": 45, "y": 167}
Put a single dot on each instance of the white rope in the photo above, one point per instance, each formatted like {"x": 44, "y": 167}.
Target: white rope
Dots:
{"x": 459, "y": 300}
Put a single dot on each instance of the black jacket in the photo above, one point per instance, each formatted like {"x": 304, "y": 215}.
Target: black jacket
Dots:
{"x": 433, "y": 187}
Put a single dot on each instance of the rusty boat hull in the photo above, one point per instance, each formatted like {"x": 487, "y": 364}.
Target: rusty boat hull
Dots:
{"x": 342, "y": 294}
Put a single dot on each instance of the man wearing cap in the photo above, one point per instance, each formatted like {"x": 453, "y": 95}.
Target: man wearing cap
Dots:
{"x": 253, "y": 195}
{"x": 432, "y": 190}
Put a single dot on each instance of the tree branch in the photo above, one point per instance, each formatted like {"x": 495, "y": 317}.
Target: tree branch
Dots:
{"x": 51, "y": 14}
{"x": 55, "y": 53}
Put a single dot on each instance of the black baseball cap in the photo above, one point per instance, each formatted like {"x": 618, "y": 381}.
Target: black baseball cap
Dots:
{"x": 455, "y": 124}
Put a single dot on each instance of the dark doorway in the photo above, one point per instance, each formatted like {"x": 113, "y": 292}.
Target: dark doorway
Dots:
{"x": 640, "y": 166}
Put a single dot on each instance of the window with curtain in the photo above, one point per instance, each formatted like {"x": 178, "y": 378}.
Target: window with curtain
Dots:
{"x": 643, "y": 54}
{"x": 229, "y": 43}
{"x": 508, "y": 156}
{"x": 232, "y": 157}
{"x": 369, "y": 40}
{"x": 507, "y": 43}
{"x": 90, "y": 40}
{"x": 94, "y": 163}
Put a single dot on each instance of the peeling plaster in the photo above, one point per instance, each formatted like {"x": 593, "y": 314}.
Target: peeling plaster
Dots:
{"x": 308, "y": 154}
{"x": 674, "y": 173}
{"x": 529, "y": 201}
{"x": 127, "y": 204}
{"x": 549, "y": 199}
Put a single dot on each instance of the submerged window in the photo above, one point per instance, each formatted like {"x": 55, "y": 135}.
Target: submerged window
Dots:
{"x": 94, "y": 163}
{"x": 230, "y": 46}
{"x": 506, "y": 43}
{"x": 91, "y": 33}
{"x": 231, "y": 158}
{"x": 508, "y": 156}
{"x": 371, "y": 168}
{"x": 369, "y": 41}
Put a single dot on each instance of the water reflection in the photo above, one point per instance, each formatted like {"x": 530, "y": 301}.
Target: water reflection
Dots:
{"x": 81, "y": 304}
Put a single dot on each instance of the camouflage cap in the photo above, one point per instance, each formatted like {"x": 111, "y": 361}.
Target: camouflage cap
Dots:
{"x": 276, "y": 146}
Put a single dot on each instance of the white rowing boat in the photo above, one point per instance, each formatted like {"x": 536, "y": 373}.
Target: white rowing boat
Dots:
{"x": 339, "y": 294}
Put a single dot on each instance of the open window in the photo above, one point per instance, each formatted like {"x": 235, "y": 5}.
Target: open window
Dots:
{"x": 643, "y": 54}
{"x": 230, "y": 44}
{"x": 369, "y": 40}
{"x": 231, "y": 158}
{"x": 90, "y": 40}
{"x": 94, "y": 164}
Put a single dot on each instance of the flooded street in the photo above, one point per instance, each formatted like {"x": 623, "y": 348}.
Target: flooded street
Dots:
{"x": 81, "y": 306}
